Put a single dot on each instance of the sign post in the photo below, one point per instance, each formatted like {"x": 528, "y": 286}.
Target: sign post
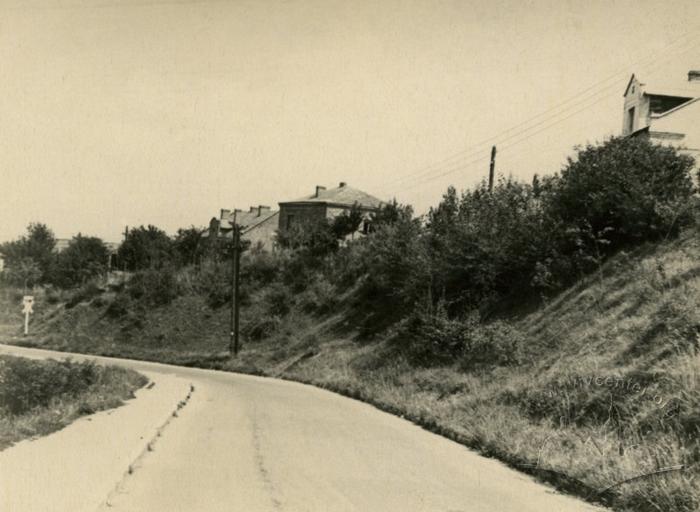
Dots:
{"x": 27, "y": 308}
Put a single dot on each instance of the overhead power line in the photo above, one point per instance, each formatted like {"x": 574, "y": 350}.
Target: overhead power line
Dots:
{"x": 552, "y": 114}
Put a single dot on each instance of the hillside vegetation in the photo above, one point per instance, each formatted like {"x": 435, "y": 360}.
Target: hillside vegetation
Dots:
{"x": 554, "y": 325}
{"x": 39, "y": 397}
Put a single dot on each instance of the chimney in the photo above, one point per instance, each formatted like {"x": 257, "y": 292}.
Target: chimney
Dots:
{"x": 694, "y": 75}
{"x": 225, "y": 214}
{"x": 252, "y": 209}
{"x": 342, "y": 184}
{"x": 262, "y": 209}
{"x": 319, "y": 189}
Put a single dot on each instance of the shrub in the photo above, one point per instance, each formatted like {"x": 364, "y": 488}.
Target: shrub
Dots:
{"x": 433, "y": 339}
{"x": 85, "y": 293}
{"x": 319, "y": 297}
{"x": 154, "y": 287}
{"x": 214, "y": 282}
{"x": 27, "y": 384}
{"x": 497, "y": 343}
{"x": 636, "y": 189}
{"x": 277, "y": 299}
{"x": 53, "y": 296}
{"x": 120, "y": 306}
{"x": 260, "y": 268}
{"x": 260, "y": 327}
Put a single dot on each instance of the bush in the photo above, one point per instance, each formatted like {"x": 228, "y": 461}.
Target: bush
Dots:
{"x": 260, "y": 268}
{"x": 260, "y": 327}
{"x": 120, "y": 306}
{"x": 434, "y": 339}
{"x": 214, "y": 282}
{"x": 83, "y": 294}
{"x": 635, "y": 189}
{"x": 27, "y": 384}
{"x": 53, "y": 296}
{"x": 497, "y": 343}
{"x": 154, "y": 287}
{"x": 277, "y": 300}
{"x": 319, "y": 297}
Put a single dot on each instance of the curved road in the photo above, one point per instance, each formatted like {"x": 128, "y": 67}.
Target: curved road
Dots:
{"x": 254, "y": 444}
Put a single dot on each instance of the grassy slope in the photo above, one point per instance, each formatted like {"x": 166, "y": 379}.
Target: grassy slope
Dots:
{"x": 49, "y": 409}
{"x": 611, "y": 392}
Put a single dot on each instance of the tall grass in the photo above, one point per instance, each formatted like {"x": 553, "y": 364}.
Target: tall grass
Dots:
{"x": 39, "y": 397}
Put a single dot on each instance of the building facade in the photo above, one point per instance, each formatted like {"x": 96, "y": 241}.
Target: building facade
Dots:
{"x": 258, "y": 225}
{"x": 326, "y": 204}
{"x": 667, "y": 114}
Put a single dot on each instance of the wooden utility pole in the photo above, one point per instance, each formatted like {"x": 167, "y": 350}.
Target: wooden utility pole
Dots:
{"x": 492, "y": 167}
{"x": 126, "y": 235}
{"x": 235, "y": 278}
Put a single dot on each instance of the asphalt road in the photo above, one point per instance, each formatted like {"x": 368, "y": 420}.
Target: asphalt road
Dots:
{"x": 254, "y": 444}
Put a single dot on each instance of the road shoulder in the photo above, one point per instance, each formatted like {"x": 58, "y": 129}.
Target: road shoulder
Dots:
{"x": 76, "y": 468}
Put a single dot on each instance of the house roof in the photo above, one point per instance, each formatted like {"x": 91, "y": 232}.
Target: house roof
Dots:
{"x": 676, "y": 92}
{"x": 682, "y": 105}
{"x": 675, "y": 87}
{"x": 343, "y": 195}
{"x": 629, "y": 83}
{"x": 247, "y": 219}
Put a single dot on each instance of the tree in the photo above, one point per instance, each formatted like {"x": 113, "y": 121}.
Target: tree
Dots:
{"x": 38, "y": 245}
{"x": 629, "y": 188}
{"x": 145, "y": 247}
{"x": 347, "y": 222}
{"x": 395, "y": 263}
{"x": 189, "y": 244}
{"x": 25, "y": 272}
{"x": 84, "y": 258}
{"x": 390, "y": 213}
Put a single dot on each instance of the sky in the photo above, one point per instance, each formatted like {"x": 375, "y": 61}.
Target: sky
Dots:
{"x": 119, "y": 113}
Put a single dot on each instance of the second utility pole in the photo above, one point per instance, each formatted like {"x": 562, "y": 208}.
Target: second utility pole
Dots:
{"x": 492, "y": 167}
{"x": 235, "y": 303}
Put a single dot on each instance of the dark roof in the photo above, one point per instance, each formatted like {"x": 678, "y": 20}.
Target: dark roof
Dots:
{"x": 340, "y": 196}
{"x": 247, "y": 219}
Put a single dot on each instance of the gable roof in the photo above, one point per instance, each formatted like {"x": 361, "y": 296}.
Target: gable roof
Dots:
{"x": 343, "y": 195}
{"x": 666, "y": 87}
{"x": 246, "y": 219}
{"x": 629, "y": 84}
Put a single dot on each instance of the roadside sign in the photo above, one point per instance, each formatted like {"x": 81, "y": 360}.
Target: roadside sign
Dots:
{"x": 27, "y": 308}
{"x": 28, "y": 304}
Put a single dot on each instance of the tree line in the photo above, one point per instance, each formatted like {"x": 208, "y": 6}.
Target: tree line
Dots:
{"x": 475, "y": 253}
{"x": 33, "y": 259}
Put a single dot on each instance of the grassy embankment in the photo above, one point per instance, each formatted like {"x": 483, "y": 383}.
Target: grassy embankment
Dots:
{"x": 605, "y": 402}
{"x": 40, "y": 397}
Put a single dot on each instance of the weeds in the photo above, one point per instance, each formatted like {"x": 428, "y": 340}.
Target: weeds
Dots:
{"x": 38, "y": 397}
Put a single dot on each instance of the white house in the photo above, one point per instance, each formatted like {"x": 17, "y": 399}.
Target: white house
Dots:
{"x": 666, "y": 113}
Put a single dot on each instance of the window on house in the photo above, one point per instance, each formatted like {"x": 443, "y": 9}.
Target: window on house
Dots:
{"x": 630, "y": 120}
{"x": 366, "y": 227}
{"x": 290, "y": 221}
